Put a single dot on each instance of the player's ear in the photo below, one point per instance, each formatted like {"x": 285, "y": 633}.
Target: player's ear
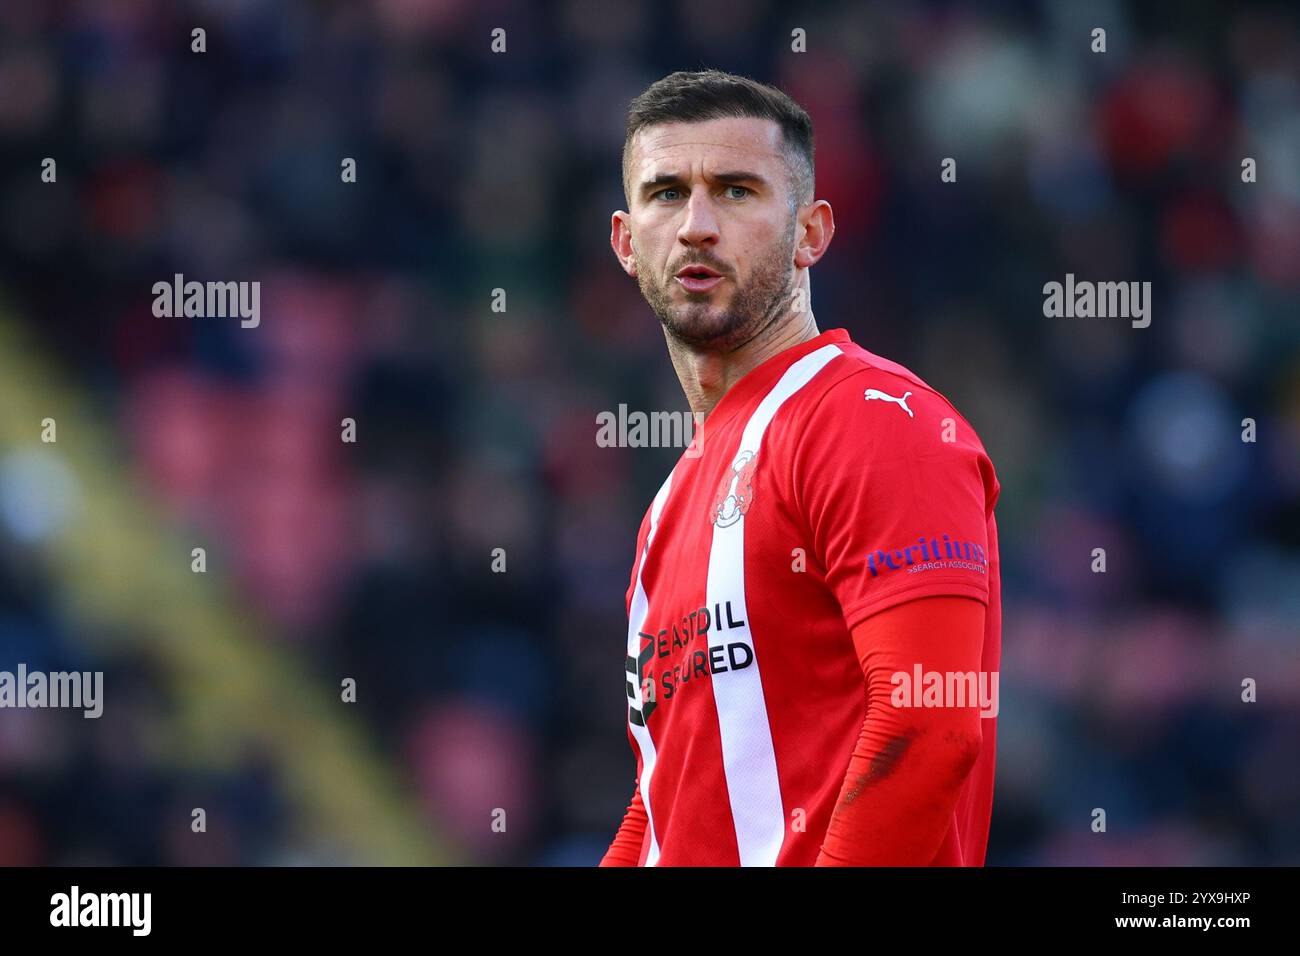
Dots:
{"x": 818, "y": 223}
{"x": 620, "y": 240}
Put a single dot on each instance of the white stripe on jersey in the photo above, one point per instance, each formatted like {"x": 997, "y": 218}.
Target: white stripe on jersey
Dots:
{"x": 748, "y": 759}
{"x": 635, "y": 621}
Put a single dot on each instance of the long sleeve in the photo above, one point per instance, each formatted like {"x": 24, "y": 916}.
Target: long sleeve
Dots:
{"x": 906, "y": 772}
{"x": 626, "y": 848}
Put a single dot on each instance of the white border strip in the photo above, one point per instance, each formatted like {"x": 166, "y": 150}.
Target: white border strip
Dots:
{"x": 749, "y": 761}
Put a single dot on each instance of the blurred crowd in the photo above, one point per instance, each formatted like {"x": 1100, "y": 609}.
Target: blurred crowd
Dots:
{"x": 476, "y": 429}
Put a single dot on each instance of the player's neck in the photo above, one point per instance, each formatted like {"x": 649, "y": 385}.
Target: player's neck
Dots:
{"x": 706, "y": 375}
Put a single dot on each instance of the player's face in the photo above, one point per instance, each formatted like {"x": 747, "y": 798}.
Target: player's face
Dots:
{"x": 713, "y": 194}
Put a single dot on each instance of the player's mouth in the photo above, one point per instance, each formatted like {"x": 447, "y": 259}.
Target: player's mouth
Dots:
{"x": 699, "y": 278}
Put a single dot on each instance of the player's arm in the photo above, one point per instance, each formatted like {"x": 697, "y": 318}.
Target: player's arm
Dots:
{"x": 898, "y": 796}
{"x": 626, "y": 848}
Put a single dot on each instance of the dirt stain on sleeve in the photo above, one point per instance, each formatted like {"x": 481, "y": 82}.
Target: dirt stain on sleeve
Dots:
{"x": 881, "y": 766}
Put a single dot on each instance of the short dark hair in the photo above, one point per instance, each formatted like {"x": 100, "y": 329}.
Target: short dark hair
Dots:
{"x": 685, "y": 97}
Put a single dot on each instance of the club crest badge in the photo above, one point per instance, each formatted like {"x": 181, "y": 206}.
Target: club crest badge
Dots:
{"x": 735, "y": 491}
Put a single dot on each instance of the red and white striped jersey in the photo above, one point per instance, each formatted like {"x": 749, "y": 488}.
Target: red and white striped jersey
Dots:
{"x": 830, "y": 484}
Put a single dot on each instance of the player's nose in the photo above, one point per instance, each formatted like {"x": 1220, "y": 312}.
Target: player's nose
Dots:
{"x": 699, "y": 224}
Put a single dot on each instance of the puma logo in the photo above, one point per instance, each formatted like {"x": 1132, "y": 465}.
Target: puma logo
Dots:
{"x": 871, "y": 393}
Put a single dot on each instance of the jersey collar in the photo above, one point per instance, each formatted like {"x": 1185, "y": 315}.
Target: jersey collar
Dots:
{"x": 760, "y": 379}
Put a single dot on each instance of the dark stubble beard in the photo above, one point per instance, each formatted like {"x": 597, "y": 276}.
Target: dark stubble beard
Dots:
{"x": 699, "y": 324}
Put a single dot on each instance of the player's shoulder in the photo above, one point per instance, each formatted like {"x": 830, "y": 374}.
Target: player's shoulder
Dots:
{"x": 866, "y": 415}
{"x": 883, "y": 398}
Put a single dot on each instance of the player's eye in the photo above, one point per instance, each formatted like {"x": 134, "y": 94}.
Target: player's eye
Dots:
{"x": 744, "y": 189}
{"x": 662, "y": 192}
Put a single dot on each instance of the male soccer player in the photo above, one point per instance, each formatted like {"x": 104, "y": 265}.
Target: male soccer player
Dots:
{"x": 814, "y": 596}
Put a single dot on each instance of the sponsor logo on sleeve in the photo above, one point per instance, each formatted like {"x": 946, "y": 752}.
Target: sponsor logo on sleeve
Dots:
{"x": 929, "y": 554}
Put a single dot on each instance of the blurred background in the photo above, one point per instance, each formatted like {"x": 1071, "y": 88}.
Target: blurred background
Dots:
{"x": 479, "y": 692}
